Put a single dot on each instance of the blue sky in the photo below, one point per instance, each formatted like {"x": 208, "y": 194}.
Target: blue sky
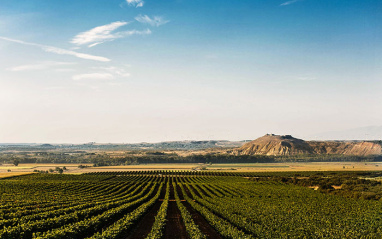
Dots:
{"x": 144, "y": 70}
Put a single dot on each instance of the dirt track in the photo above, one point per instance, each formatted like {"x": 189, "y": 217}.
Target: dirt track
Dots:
{"x": 143, "y": 227}
{"x": 202, "y": 223}
{"x": 174, "y": 226}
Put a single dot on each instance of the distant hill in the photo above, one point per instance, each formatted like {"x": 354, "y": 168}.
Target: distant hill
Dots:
{"x": 275, "y": 145}
{"x": 185, "y": 145}
{"x": 169, "y": 145}
{"x": 271, "y": 144}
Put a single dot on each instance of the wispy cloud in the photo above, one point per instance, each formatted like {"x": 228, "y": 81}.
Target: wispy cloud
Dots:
{"x": 289, "y": 2}
{"x": 135, "y": 3}
{"x": 59, "y": 51}
{"x": 93, "y": 76}
{"x": 98, "y": 34}
{"x": 103, "y": 73}
{"x": 104, "y": 33}
{"x": 115, "y": 71}
{"x": 40, "y": 66}
{"x": 155, "y": 21}
{"x": 73, "y": 53}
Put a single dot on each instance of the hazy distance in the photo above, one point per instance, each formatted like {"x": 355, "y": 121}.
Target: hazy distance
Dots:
{"x": 124, "y": 71}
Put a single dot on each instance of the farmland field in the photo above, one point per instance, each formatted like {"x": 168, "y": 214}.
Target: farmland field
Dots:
{"x": 177, "y": 204}
{"x": 233, "y": 167}
{"x": 8, "y": 175}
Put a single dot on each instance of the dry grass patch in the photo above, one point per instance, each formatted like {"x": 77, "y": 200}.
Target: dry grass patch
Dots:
{"x": 10, "y": 174}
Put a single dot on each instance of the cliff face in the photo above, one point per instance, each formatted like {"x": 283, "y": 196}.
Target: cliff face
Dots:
{"x": 352, "y": 148}
{"x": 287, "y": 145}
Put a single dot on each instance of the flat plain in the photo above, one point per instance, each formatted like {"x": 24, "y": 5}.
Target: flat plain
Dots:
{"x": 244, "y": 167}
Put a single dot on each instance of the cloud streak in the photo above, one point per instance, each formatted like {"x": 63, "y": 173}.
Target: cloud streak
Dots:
{"x": 59, "y": 51}
{"x": 102, "y": 73}
{"x": 101, "y": 34}
{"x": 155, "y": 21}
{"x": 98, "y": 34}
{"x": 115, "y": 71}
{"x": 40, "y": 66}
{"x": 135, "y": 3}
{"x": 289, "y": 2}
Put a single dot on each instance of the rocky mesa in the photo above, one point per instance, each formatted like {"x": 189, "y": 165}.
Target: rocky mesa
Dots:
{"x": 275, "y": 145}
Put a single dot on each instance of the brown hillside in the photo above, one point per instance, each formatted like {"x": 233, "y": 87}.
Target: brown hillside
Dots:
{"x": 287, "y": 145}
{"x": 347, "y": 148}
{"x": 276, "y": 145}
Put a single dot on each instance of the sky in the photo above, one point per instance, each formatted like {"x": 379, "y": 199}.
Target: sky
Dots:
{"x": 125, "y": 71}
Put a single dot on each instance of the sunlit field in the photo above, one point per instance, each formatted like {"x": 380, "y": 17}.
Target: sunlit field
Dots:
{"x": 253, "y": 167}
{"x": 178, "y": 204}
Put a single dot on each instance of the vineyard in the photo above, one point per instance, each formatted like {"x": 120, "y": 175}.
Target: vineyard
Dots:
{"x": 177, "y": 204}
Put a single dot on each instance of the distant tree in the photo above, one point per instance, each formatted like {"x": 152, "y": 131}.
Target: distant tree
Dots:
{"x": 64, "y": 168}
{"x": 60, "y": 170}
{"x": 16, "y": 162}
{"x": 8, "y": 170}
{"x": 325, "y": 186}
{"x": 51, "y": 170}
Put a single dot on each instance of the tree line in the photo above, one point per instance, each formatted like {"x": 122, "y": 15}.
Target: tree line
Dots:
{"x": 129, "y": 158}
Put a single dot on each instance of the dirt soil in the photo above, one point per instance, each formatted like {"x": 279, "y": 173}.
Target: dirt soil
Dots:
{"x": 175, "y": 227}
{"x": 199, "y": 220}
{"x": 143, "y": 228}
{"x": 9, "y": 175}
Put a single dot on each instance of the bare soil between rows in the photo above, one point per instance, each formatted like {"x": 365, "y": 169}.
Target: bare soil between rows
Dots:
{"x": 143, "y": 227}
{"x": 175, "y": 227}
{"x": 199, "y": 220}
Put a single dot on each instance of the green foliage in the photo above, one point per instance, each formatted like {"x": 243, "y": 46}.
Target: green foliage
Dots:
{"x": 191, "y": 228}
{"x": 145, "y": 157}
{"x": 223, "y": 226}
{"x": 16, "y": 162}
{"x": 109, "y": 204}
{"x": 160, "y": 219}
{"x": 348, "y": 184}
{"x": 59, "y": 170}
{"x": 122, "y": 225}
